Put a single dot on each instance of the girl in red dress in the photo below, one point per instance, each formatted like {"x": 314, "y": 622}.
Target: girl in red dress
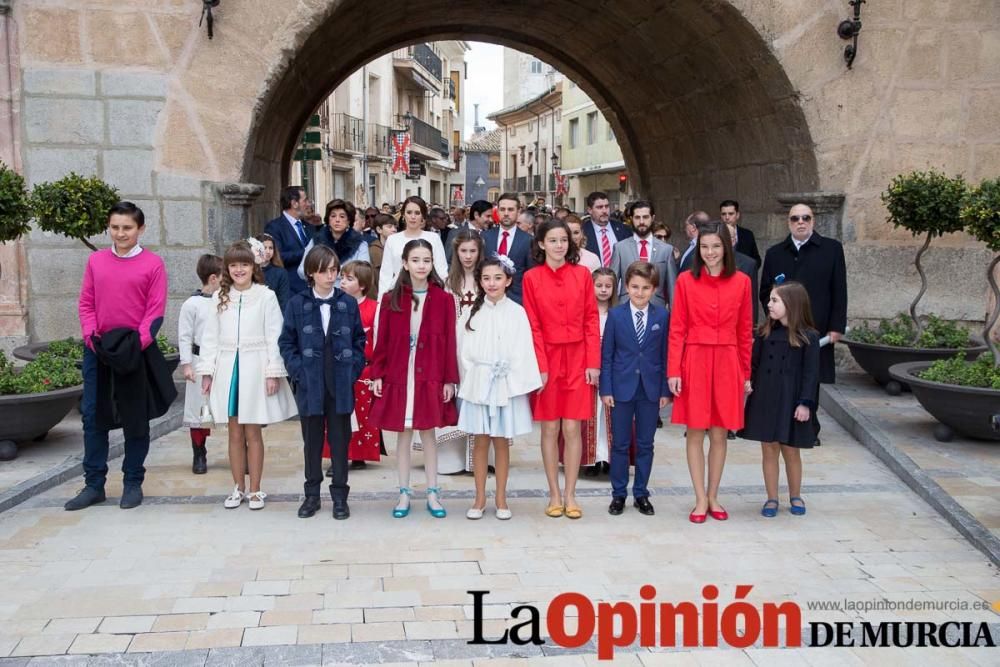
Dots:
{"x": 562, "y": 310}
{"x": 708, "y": 361}
{"x": 414, "y": 367}
{"x": 358, "y": 280}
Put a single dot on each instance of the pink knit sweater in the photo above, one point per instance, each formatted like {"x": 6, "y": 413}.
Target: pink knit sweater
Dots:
{"x": 119, "y": 292}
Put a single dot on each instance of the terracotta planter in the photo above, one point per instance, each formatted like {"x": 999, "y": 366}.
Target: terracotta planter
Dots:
{"x": 877, "y": 359}
{"x": 30, "y": 416}
{"x": 29, "y": 352}
{"x": 971, "y": 411}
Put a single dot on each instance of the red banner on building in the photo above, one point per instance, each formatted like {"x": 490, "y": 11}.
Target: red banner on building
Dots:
{"x": 400, "y": 152}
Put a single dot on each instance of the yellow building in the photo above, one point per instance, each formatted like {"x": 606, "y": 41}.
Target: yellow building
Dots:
{"x": 591, "y": 158}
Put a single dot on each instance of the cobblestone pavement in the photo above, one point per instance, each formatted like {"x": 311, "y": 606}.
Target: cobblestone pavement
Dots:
{"x": 181, "y": 580}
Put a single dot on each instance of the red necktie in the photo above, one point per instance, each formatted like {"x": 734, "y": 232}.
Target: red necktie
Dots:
{"x": 605, "y": 247}
{"x": 502, "y": 250}
{"x": 643, "y": 252}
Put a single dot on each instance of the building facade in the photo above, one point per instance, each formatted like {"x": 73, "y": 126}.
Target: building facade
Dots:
{"x": 525, "y": 76}
{"x": 531, "y": 144}
{"x": 591, "y": 159}
{"x": 346, "y": 149}
{"x": 482, "y": 166}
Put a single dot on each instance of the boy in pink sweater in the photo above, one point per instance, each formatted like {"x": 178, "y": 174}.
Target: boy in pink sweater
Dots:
{"x": 123, "y": 286}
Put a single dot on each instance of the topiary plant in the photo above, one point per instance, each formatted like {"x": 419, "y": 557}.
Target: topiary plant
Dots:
{"x": 925, "y": 203}
{"x": 74, "y": 206}
{"x": 15, "y": 212}
{"x": 980, "y": 213}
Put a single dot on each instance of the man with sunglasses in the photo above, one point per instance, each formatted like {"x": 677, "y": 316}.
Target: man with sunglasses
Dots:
{"x": 818, "y": 263}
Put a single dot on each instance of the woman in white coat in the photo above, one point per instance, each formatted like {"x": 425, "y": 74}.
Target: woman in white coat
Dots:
{"x": 242, "y": 369}
{"x": 414, "y": 215}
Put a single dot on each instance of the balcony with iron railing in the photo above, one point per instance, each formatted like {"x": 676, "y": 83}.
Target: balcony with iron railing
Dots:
{"x": 379, "y": 140}
{"x": 347, "y": 133}
{"x": 420, "y": 64}
{"x": 425, "y": 139}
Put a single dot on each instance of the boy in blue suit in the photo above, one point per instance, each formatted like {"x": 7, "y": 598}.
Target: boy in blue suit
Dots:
{"x": 323, "y": 345}
{"x": 634, "y": 382}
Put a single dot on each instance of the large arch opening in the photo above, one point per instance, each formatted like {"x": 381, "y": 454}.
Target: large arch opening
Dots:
{"x": 700, "y": 106}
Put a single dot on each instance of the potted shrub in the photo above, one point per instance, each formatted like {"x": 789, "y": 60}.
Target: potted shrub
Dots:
{"x": 927, "y": 204}
{"x": 15, "y": 211}
{"x": 72, "y": 348}
{"x": 74, "y": 206}
{"x": 964, "y": 395}
{"x": 35, "y": 398}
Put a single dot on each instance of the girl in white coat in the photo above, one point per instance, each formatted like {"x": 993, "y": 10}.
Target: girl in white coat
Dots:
{"x": 498, "y": 370}
{"x": 240, "y": 352}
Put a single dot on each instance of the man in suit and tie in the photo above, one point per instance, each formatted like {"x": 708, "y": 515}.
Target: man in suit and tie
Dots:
{"x": 644, "y": 246}
{"x": 601, "y": 231}
{"x": 633, "y": 383}
{"x": 743, "y": 238}
{"x": 290, "y": 235}
{"x": 691, "y": 224}
{"x": 507, "y": 239}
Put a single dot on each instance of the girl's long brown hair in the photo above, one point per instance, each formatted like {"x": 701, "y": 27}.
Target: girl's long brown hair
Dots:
{"x": 404, "y": 280}
{"x": 720, "y": 229}
{"x": 237, "y": 253}
{"x": 276, "y": 257}
{"x": 456, "y": 272}
{"x": 480, "y": 292}
{"x": 607, "y": 271}
{"x": 799, "y": 311}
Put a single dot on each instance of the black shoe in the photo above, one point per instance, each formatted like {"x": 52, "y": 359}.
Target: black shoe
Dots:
{"x": 617, "y": 506}
{"x": 730, "y": 435}
{"x": 592, "y": 471}
{"x": 659, "y": 422}
{"x": 340, "y": 510}
{"x": 87, "y": 497}
{"x": 131, "y": 497}
{"x": 355, "y": 465}
{"x": 605, "y": 467}
{"x": 199, "y": 464}
{"x": 817, "y": 443}
{"x": 329, "y": 472}
{"x": 309, "y": 507}
{"x": 644, "y": 506}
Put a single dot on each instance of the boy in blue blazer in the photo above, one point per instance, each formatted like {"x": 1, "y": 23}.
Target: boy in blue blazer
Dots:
{"x": 323, "y": 345}
{"x": 634, "y": 382}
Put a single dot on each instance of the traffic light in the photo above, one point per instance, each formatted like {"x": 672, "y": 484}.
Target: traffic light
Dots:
{"x": 622, "y": 182}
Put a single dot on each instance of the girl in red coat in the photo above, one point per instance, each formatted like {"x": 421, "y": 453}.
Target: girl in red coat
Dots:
{"x": 358, "y": 280}
{"x": 708, "y": 361}
{"x": 415, "y": 367}
{"x": 562, "y": 310}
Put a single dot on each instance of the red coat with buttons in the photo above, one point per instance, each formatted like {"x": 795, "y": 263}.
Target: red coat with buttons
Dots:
{"x": 436, "y": 362}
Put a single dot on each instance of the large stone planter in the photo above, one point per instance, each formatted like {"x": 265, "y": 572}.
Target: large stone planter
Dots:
{"x": 30, "y": 416}
{"x": 877, "y": 359}
{"x": 971, "y": 411}
{"x": 29, "y": 352}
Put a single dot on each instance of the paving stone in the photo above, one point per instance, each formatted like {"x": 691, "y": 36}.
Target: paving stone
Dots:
{"x": 324, "y": 634}
{"x": 338, "y": 616}
{"x": 158, "y": 641}
{"x": 376, "y": 632}
{"x": 63, "y": 626}
{"x": 212, "y": 639}
{"x": 235, "y": 657}
{"x": 100, "y": 643}
{"x": 278, "y": 634}
{"x": 175, "y": 622}
{"x": 234, "y": 619}
{"x": 43, "y": 645}
{"x": 293, "y": 656}
{"x": 127, "y": 624}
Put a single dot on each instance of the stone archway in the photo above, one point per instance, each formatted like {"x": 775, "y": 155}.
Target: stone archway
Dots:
{"x": 701, "y": 107}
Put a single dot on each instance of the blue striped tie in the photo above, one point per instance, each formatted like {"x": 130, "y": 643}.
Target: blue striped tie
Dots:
{"x": 640, "y": 327}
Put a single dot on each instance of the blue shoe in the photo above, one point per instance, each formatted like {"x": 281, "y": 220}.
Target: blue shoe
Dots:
{"x": 797, "y": 510}
{"x": 436, "y": 513}
{"x": 400, "y": 512}
{"x": 770, "y": 508}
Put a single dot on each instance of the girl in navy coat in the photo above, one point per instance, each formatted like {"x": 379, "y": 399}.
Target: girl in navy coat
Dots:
{"x": 323, "y": 345}
{"x": 634, "y": 382}
{"x": 781, "y": 410}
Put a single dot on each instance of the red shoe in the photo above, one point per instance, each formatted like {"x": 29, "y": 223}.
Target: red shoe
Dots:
{"x": 718, "y": 515}
{"x": 696, "y": 518}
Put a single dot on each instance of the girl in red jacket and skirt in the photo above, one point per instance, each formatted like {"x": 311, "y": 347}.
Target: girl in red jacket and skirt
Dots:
{"x": 708, "y": 360}
{"x": 415, "y": 368}
{"x": 562, "y": 310}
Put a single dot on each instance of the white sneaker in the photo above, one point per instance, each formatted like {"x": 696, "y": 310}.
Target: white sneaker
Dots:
{"x": 234, "y": 500}
{"x": 257, "y": 500}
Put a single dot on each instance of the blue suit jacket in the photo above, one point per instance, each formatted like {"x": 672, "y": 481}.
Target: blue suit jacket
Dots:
{"x": 620, "y": 231}
{"x": 291, "y": 248}
{"x": 625, "y": 363}
{"x": 303, "y": 345}
{"x": 519, "y": 252}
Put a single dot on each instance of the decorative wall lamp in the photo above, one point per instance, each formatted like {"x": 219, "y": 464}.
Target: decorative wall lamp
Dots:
{"x": 206, "y": 15}
{"x": 849, "y": 29}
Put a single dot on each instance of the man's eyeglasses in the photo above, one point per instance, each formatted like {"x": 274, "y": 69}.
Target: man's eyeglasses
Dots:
{"x": 662, "y": 237}
{"x": 803, "y": 218}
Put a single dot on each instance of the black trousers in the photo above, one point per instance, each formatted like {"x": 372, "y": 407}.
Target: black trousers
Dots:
{"x": 338, "y": 433}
